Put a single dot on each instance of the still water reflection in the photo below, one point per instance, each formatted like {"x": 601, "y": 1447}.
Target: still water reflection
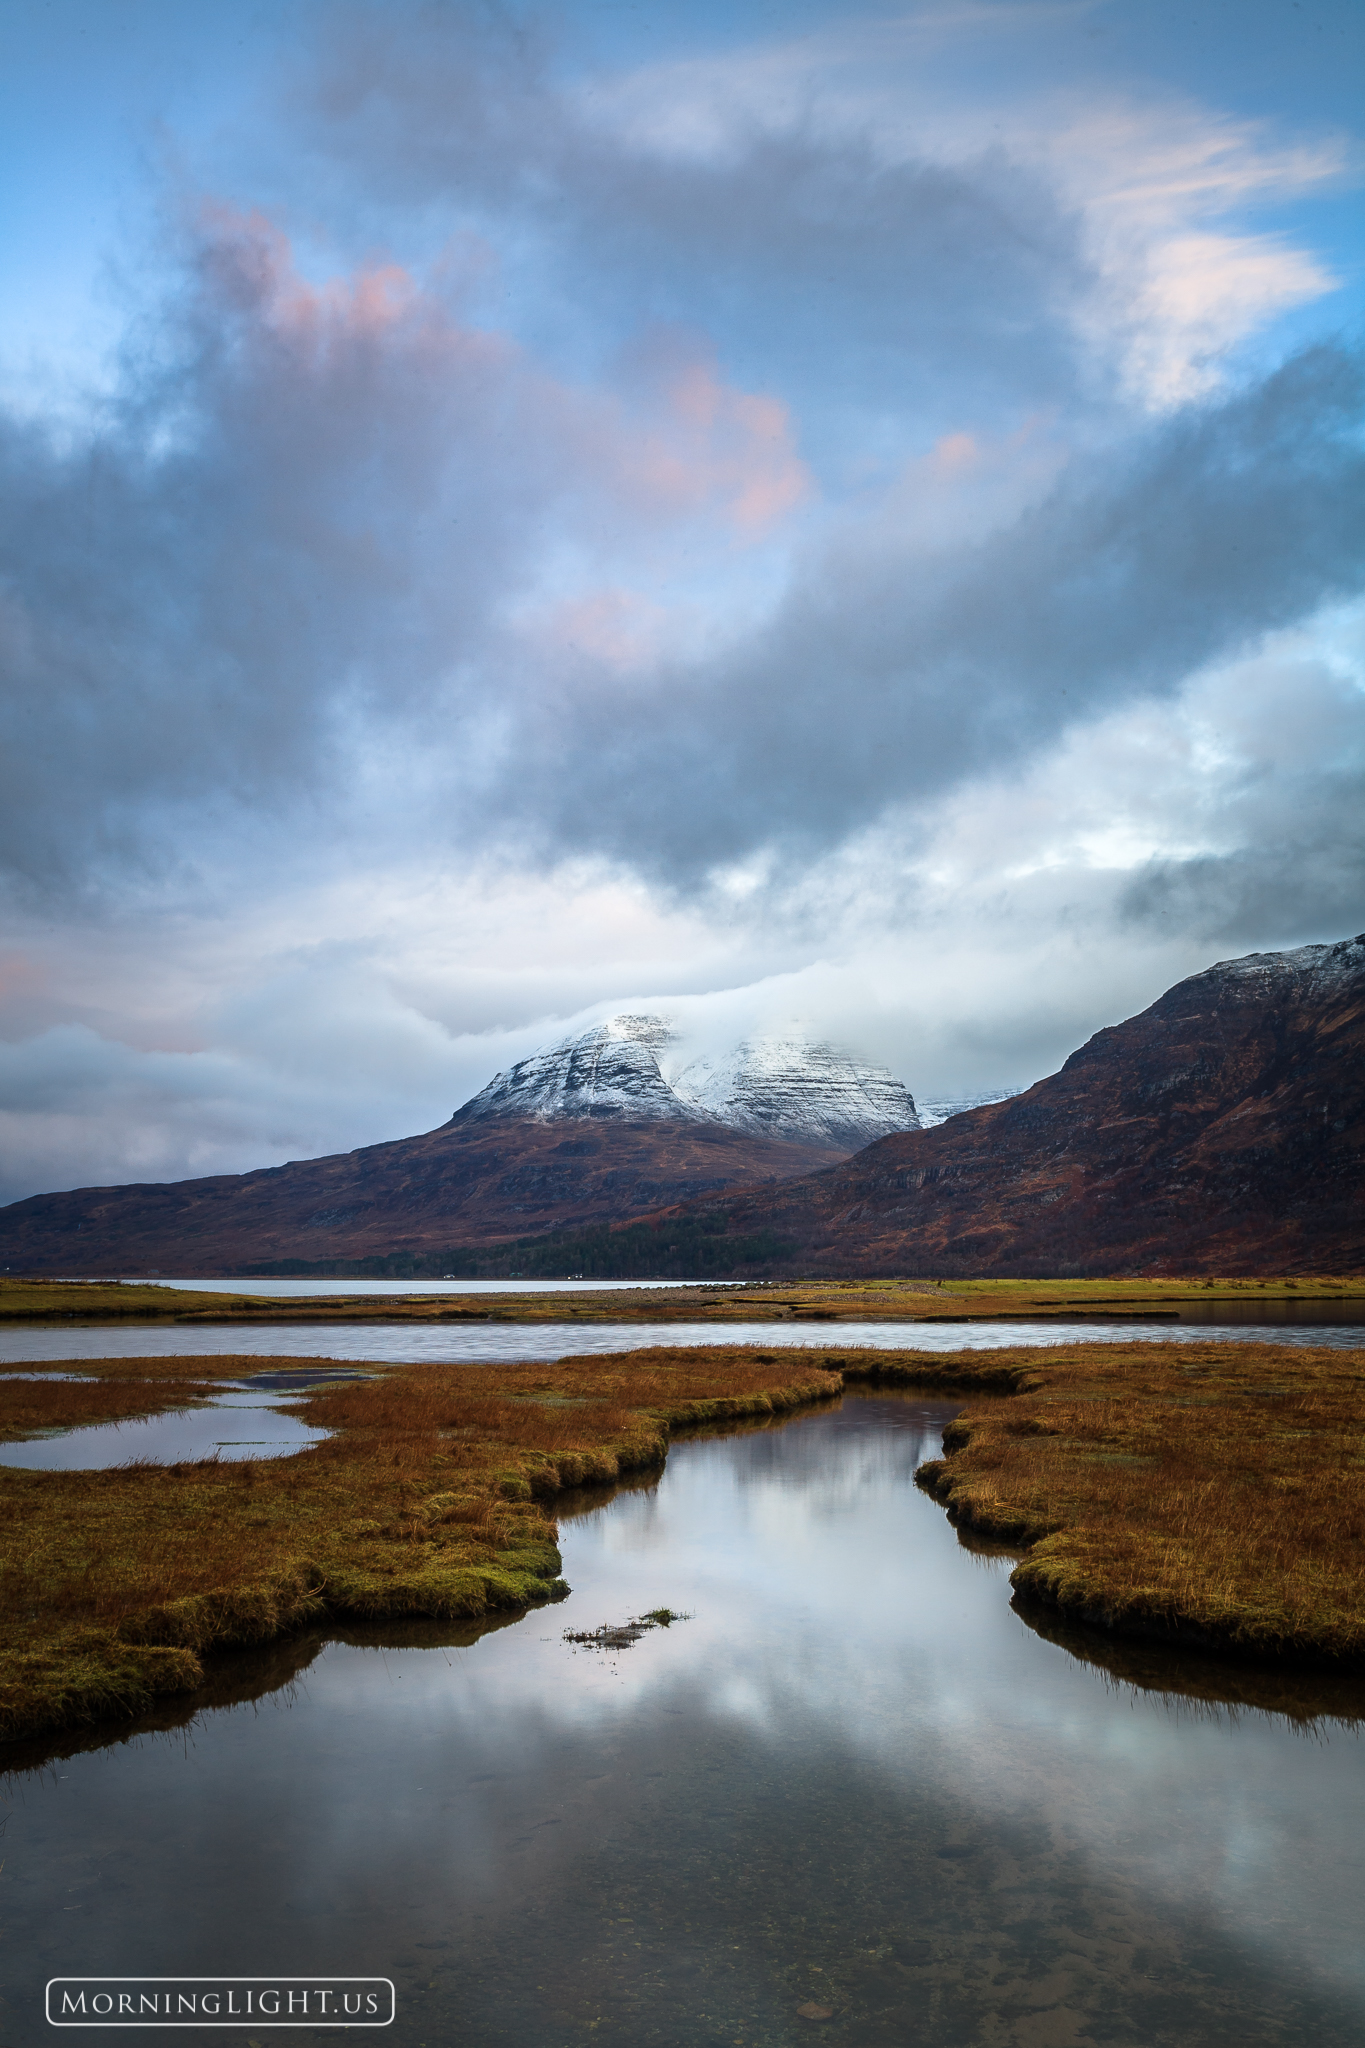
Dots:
{"x": 39, "y": 1343}
{"x": 233, "y": 1427}
{"x": 252, "y": 1427}
{"x": 854, "y": 1781}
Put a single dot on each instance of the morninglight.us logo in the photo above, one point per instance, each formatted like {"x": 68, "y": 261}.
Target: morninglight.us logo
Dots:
{"x": 220, "y": 2001}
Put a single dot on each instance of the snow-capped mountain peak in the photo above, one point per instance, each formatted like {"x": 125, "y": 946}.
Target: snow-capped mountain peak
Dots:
{"x": 610, "y": 1071}
{"x": 791, "y": 1088}
{"x": 785, "y": 1087}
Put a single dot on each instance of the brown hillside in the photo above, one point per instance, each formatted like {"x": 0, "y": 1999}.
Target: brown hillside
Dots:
{"x": 467, "y": 1183}
{"x": 1221, "y": 1131}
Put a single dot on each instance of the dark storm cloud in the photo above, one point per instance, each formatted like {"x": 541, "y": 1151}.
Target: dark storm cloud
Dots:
{"x": 294, "y": 523}
{"x": 1300, "y": 866}
{"x": 1288, "y": 807}
{"x": 291, "y": 550}
{"x": 1259, "y": 896}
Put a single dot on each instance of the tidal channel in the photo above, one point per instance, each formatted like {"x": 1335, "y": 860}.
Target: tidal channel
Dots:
{"x": 852, "y": 1796}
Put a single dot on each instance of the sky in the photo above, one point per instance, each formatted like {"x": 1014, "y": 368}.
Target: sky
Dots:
{"x": 842, "y": 518}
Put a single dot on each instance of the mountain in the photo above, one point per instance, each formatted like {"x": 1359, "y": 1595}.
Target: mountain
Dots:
{"x": 937, "y": 1109}
{"x": 584, "y": 1133}
{"x": 1219, "y": 1132}
{"x": 789, "y": 1088}
{"x": 814, "y": 1093}
{"x": 611, "y": 1071}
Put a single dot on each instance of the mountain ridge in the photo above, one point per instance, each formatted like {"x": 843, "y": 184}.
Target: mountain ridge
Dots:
{"x": 1221, "y": 1130}
{"x": 585, "y": 1132}
{"x": 479, "y": 1185}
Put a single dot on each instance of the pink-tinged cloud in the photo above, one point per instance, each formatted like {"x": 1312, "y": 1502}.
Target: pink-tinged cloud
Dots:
{"x": 717, "y": 449}
{"x": 955, "y": 453}
{"x": 688, "y": 446}
{"x": 20, "y": 976}
{"x": 251, "y": 264}
{"x": 620, "y": 628}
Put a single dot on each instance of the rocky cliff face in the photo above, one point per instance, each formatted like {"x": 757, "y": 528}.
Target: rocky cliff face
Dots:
{"x": 774, "y": 1087}
{"x": 1221, "y": 1131}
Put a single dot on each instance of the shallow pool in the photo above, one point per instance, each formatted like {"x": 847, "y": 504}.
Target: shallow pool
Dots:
{"x": 239, "y": 1422}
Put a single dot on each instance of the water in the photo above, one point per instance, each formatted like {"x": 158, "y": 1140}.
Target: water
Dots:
{"x": 853, "y": 1781}
{"x": 253, "y": 1428}
{"x": 36, "y": 1343}
{"x": 258, "y": 1289}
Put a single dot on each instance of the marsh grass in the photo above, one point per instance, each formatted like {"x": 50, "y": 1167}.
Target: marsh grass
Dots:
{"x": 431, "y": 1498}
{"x": 24, "y": 1300}
{"x": 623, "y": 1635}
{"x": 28, "y": 1407}
{"x": 1208, "y": 1494}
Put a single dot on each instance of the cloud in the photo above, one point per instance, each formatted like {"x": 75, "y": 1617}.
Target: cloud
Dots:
{"x": 294, "y": 540}
{"x": 1154, "y": 192}
{"x": 888, "y": 675}
{"x": 1168, "y": 190}
{"x": 331, "y": 567}
{"x": 783, "y": 533}
{"x": 198, "y": 595}
{"x": 305, "y": 1062}
{"x": 285, "y": 580}
{"x": 76, "y": 1108}
{"x": 1279, "y": 804}
{"x": 806, "y": 249}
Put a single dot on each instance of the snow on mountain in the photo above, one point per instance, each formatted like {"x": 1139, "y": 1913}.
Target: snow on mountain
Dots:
{"x": 790, "y": 1088}
{"x": 1320, "y": 967}
{"x": 777, "y": 1087}
{"x": 940, "y": 1108}
{"x": 612, "y": 1070}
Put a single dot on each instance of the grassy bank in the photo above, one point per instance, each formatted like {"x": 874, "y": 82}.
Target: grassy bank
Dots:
{"x": 1210, "y": 1494}
{"x": 807, "y": 1301}
{"x": 433, "y": 1497}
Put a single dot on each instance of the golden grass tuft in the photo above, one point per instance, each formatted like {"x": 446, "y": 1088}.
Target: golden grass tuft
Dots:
{"x": 28, "y": 1407}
